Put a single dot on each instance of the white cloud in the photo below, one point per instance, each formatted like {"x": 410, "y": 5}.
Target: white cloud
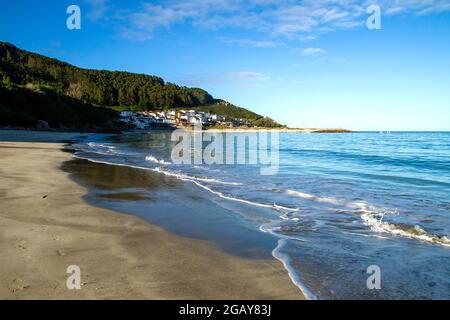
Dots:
{"x": 413, "y": 7}
{"x": 441, "y": 7}
{"x": 307, "y": 38}
{"x": 97, "y": 9}
{"x": 289, "y": 19}
{"x": 313, "y": 52}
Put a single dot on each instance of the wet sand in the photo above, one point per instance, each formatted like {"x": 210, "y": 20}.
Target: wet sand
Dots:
{"x": 45, "y": 226}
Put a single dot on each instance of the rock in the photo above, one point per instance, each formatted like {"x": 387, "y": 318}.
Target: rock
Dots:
{"x": 42, "y": 125}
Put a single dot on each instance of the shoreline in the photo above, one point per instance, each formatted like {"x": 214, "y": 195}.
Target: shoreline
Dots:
{"x": 121, "y": 256}
{"x": 237, "y": 129}
{"x": 280, "y": 130}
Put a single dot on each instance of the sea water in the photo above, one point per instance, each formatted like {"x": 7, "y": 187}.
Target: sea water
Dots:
{"x": 339, "y": 204}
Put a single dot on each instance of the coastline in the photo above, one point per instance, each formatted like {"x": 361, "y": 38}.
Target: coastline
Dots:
{"x": 280, "y": 130}
{"x": 236, "y": 130}
{"x": 45, "y": 226}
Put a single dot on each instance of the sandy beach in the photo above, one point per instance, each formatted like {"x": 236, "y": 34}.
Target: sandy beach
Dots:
{"x": 45, "y": 226}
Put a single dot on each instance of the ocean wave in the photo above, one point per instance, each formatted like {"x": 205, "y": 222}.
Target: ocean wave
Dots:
{"x": 372, "y": 217}
{"x": 99, "y": 149}
{"x": 151, "y": 158}
{"x": 96, "y": 148}
{"x": 190, "y": 178}
{"x": 287, "y": 216}
{"x": 257, "y": 204}
{"x": 314, "y": 198}
{"x": 206, "y": 168}
{"x": 101, "y": 145}
{"x": 274, "y": 229}
{"x": 332, "y": 201}
{"x": 78, "y": 156}
{"x": 287, "y": 264}
{"x": 375, "y": 222}
{"x": 286, "y": 260}
{"x": 196, "y": 180}
{"x": 94, "y": 145}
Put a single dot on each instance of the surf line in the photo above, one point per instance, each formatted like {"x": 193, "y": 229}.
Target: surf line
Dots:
{"x": 274, "y": 206}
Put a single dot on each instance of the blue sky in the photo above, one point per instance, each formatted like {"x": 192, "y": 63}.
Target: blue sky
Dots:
{"x": 310, "y": 63}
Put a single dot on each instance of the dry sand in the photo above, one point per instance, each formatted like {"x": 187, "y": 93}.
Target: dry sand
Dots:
{"x": 45, "y": 226}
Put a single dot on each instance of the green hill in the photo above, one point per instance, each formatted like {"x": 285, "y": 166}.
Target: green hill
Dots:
{"x": 29, "y": 79}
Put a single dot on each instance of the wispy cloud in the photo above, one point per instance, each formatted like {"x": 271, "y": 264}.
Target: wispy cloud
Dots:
{"x": 288, "y": 19}
{"x": 414, "y": 7}
{"x": 307, "y": 38}
{"x": 441, "y": 7}
{"x": 315, "y": 56}
{"x": 313, "y": 52}
{"x": 97, "y": 9}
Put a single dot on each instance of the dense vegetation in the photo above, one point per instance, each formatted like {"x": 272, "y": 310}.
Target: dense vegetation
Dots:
{"x": 67, "y": 89}
{"x": 99, "y": 87}
{"x": 22, "y": 107}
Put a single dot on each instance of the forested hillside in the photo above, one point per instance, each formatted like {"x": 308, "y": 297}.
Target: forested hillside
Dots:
{"x": 23, "y": 108}
{"x": 99, "y": 87}
{"x": 57, "y": 89}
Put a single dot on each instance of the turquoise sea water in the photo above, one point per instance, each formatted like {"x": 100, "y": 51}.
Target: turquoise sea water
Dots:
{"x": 338, "y": 204}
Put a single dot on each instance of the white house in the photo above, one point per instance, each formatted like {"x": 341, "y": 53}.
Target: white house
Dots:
{"x": 171, "y": 115}
{"x": 195, "y": 120}
{"x": 190, "y": 113}
{"x": 126, "y": 114}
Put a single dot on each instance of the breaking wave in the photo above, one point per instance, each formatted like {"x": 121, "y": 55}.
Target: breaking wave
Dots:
{"x": 375, "y": 222}
{"x": 196, "y": 181}
{"x": 193, "y": 178}
{"x": 373, "y": 218}
{"x": 332, "y": 201}
{"x": 151, "y": 158}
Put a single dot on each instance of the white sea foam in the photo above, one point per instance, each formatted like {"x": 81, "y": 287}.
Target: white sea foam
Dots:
{"x": 375, "y": 223}
{"x": 257, "y": 204}
{"x": 287, "y": 218}
{"x": 332, "y": 201}
{"x": 97, "y": 148}
{"x": 151, "y": 158}
{"x": 110, "y": 163}
{"x": 277, "y": 254}
{"x": 192, "y": 178}
{"x": 314, "y": 198}
{"x": 287, "y": 263}
{"x": 372, "y": 217}
{"x": 100, "y": 145}
{"x": 285, "y": 259}
{"x": 196, "y": 180}
{"x": 274, "y": 230}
